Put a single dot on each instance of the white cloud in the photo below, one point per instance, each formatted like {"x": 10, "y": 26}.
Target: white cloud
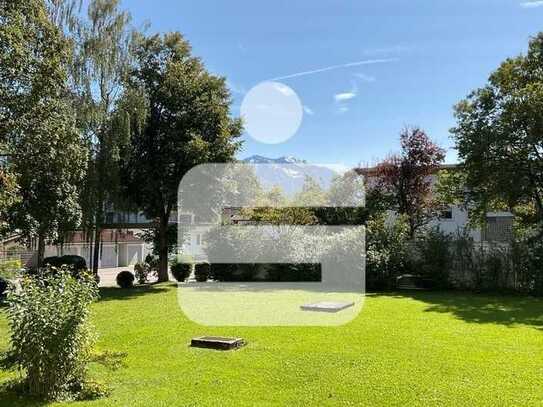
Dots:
{"x": 531, "y": 4}
{"x": 364, "y": 77}
{"x": 341, "y": 97}
{"x": 308, "y": 110}
{"x": 343, "y": 109}
{"x": 333, "y": 67}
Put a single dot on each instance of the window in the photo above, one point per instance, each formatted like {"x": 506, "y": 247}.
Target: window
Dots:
{"x": 498, "y": 229}
{"x": 198, "y": 239}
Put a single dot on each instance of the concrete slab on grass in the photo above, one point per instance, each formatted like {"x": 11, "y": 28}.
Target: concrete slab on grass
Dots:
{"x": 327, "y": 306}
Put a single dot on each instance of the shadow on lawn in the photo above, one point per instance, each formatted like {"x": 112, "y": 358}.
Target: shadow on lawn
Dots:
{"x": 10, "y": 397}
{"x": 506, "y": 310}
{"x": 115, "y": 293}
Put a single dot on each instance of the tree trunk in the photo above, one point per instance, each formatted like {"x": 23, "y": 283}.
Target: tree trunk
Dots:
{"x": 41, "y": 249}
{"x": 163, "y": 249}
{"x": 96, "y": 251}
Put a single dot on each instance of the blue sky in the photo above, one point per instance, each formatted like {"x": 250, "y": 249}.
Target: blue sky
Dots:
{"x": 435, "y": 52}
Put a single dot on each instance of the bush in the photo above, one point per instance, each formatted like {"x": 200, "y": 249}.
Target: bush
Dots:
{"x": 202, "y": 272}
{"x": 222, "y": 272}
{"x": 152, "y": 262}
{"x": 527, "y": 259}
{"x": 142, "y": 272}
{"x": 50, "y": 335}
{"x": 181, "y": 271}
{"x": 294, "y": 272}
{"x": 386, "y": 252}
{"x": 434, "y": 260}
{"x": 301, "y": 272}
{"x": 125, "y": 279}
{"x": 76, "y": 263}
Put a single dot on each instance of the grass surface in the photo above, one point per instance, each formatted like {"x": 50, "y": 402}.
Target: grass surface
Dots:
{"x": 409, "y": 349}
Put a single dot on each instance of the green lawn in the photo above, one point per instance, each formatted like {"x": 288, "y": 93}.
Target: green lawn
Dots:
{"x": 408, "y": 349}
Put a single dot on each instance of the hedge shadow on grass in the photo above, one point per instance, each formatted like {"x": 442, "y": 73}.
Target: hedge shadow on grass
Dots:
{"x": 507, "y": 310}
{"x": 116, "y": 293}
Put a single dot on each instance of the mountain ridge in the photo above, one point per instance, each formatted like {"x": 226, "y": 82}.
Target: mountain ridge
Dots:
{"x": 289, "y": 173}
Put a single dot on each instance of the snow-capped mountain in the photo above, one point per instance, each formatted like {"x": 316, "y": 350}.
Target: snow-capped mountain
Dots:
{"x": 289, "y": 173}
{"x": 258, "y": 159}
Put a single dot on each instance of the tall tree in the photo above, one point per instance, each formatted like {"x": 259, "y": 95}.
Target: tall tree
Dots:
{"x": 36, "y": 122}
{"x": 101, "y": 57}
{"x": 499, "y": 137}
{"x": 183, "y": 120}
{"x": 406, "y": 177}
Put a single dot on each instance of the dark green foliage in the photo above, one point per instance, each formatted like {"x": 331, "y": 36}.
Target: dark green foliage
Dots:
{"x": 152, "y": 262}
{"x": 4, "y": 284}
{"x": 434, "y": 257}
{"x": 499, "y": 136}
{"x": 8, "y": 197}
{"x": 37, "y": 122}
{"x": 181, "y": 271}
{"x": 77, "y": 263}
{"x": 143, "y": 271}
{"x": 125, "y": 279}
{"x": 386, "y": 252}
{"x": 202, "y": 272}
{"x": 527, "y": 254}
{"x": 152, "y": 237}
{"x": 458, "y": 261}
{"x": 266, "y": 272}
{"x": 293, "y": 272}
{"x": 222, "y": 272}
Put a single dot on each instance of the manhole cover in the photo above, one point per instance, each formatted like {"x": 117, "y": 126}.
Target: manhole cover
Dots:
{"x": 217, "y": 342}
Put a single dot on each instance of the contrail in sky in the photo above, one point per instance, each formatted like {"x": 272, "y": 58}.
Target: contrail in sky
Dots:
{"x": 333, "y": 67}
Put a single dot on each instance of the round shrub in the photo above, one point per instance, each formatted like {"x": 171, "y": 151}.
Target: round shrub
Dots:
{"x": 125, "y": 279}
{"x": 181, "y": 271}
{"x": 202, "y": 271}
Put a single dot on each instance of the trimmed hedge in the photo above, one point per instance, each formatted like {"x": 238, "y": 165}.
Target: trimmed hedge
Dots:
{"x": 77, "y": 262}
{"x": 181, "y": 271}
{"x": 266, "y": 272}
{"x": 202, "y": 272}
